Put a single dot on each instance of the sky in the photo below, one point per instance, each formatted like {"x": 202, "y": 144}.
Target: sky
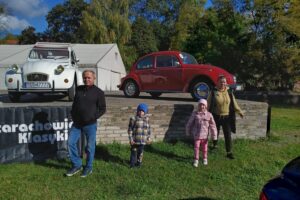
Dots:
{"x": 24, "y": 13}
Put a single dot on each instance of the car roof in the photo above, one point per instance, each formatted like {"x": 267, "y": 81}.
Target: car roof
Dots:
{"x": 52, "y": 45}
{"x": 163, "y": 52}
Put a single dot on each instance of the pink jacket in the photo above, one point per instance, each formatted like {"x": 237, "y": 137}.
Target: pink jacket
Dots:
{"x": 200, "y": 124}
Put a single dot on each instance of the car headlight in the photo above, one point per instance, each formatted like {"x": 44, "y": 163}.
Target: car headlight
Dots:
{"x": 15, "y": 68}
{"x": 59, "y": 69}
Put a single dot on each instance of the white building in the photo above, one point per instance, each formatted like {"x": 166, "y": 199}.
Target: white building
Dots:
{"x": 104, "y": 59}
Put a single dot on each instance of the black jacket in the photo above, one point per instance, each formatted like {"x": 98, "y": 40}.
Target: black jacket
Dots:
{"x": 89, "y": 104}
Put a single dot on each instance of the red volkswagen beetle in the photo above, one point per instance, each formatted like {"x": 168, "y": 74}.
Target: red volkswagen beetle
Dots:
{"x": 172, "y": 71}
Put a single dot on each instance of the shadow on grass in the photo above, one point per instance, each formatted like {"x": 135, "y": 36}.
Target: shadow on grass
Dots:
{"x": 167, "y": 154}
{"x": 102, "y": 153}
{"x": 198, "y": 198}
{"x": 54, "y": 163}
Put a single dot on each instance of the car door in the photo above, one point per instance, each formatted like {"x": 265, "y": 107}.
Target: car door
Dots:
{"x": 167, "y": 75}
{"x": 144, "y": 70}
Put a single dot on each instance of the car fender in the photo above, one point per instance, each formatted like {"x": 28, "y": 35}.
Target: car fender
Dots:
{"x": 133, "y": 77}
{"x": 192, "y": 80}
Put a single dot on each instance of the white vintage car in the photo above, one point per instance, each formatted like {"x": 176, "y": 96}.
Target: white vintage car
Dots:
{"x": 50, "y": 68}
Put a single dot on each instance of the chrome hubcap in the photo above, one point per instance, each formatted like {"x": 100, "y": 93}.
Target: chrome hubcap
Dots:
{"x": 201, "y": 90}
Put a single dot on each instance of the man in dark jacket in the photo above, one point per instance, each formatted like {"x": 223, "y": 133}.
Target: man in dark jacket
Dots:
{"x": 89, "y": 105}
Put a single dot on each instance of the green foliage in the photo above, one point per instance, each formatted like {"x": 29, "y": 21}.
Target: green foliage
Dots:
{"x": 190, "y": 11}
{"x": 106, "y": 21}
{"x": 8, "y": 36}
{"x": 129, "y": 55}
{"x": 143, "y": 39}
{"x": 162, "y": 35}
{"x": 1, "y": 8}
{"x": 28, "y": 36}
{"x": 257, "y": 40}
{"x": 218, "y": 37}
{"x": 162, "y": 16}
{"x": 273, "y": 56}
{"x": 64, "y": 21}
{"x": 253, "y": 39}
{"x": 2, "y": 23}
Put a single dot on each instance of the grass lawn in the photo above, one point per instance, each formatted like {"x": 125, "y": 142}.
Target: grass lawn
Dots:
{"x": 167, "y": 171}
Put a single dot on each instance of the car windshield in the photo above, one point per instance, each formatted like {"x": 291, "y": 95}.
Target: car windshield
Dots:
{"x": 58, "y": 53}
{"x": 187, "y": 58}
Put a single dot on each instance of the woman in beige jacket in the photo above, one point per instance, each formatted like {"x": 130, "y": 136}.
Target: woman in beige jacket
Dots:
{"x": 223, "y": 106}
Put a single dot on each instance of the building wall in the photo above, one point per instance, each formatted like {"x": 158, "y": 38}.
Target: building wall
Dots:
{"x": 168, "y": 122}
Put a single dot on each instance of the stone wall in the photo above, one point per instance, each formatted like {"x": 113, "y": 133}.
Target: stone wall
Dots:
{"x": 168, "y": 121}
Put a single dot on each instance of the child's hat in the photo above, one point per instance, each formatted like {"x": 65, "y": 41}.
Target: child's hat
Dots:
{"x": 203, "y": 101}
{"x": 142, "y": 107}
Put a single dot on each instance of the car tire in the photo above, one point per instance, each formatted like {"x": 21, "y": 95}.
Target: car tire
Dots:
{"x": 131, "y": 89}
{"x": 201, "y": 89}
{"x": 155, "y": 95}
{"x": 14, "y": 96}
{"x": 72, "y": 91}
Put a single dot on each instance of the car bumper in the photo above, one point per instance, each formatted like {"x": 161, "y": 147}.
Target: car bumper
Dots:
{"x": 19, "y": 87}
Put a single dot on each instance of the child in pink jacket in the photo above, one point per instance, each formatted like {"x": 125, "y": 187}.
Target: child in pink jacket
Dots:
{"x": 200, "y": 124}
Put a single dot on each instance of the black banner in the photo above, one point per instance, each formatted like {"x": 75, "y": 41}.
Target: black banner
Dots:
{"x": 33, "y": 133}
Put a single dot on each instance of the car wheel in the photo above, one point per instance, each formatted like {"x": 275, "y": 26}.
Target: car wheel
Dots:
{"x": 72, "y": 91}
{"x": 131, "y": 89}
{"x": 155, "y": 94}
{"x": 14, "y": 96}
{"x": 201, "y": 90}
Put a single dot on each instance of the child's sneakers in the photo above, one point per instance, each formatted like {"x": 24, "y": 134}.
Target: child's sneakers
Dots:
{"x": 205, "y": 162}
{"x": 195, "y": 163}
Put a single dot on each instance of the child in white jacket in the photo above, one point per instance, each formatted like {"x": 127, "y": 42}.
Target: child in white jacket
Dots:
{"x": 200, "y": 124}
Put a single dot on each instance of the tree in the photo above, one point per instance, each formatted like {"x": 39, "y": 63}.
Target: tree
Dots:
{"x": 219, "y": 37}
{"x": 162, "y": 16}
{"x": 189, "y": 13}
{"x": 28, "y": 36}
{"x": 106, "y": 21}
{"x": 143, "y": 38}
{"x": 3, "y": 26}
{"x": 274, "y": 54}
{"x": 7, "y": 37}
{"x": 64, "y": 21}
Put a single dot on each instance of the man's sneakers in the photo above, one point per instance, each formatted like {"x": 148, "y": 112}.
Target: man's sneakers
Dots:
{"x": 86, "y": 172}
{"x": 205, "y": 162}
{"x": 73, "y": 171}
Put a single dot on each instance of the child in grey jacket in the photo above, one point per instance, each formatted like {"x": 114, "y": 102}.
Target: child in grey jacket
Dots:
{"x": 139, "y": 134}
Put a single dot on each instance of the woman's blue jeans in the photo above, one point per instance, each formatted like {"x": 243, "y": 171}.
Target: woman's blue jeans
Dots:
{"x": 89, "y": 131}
